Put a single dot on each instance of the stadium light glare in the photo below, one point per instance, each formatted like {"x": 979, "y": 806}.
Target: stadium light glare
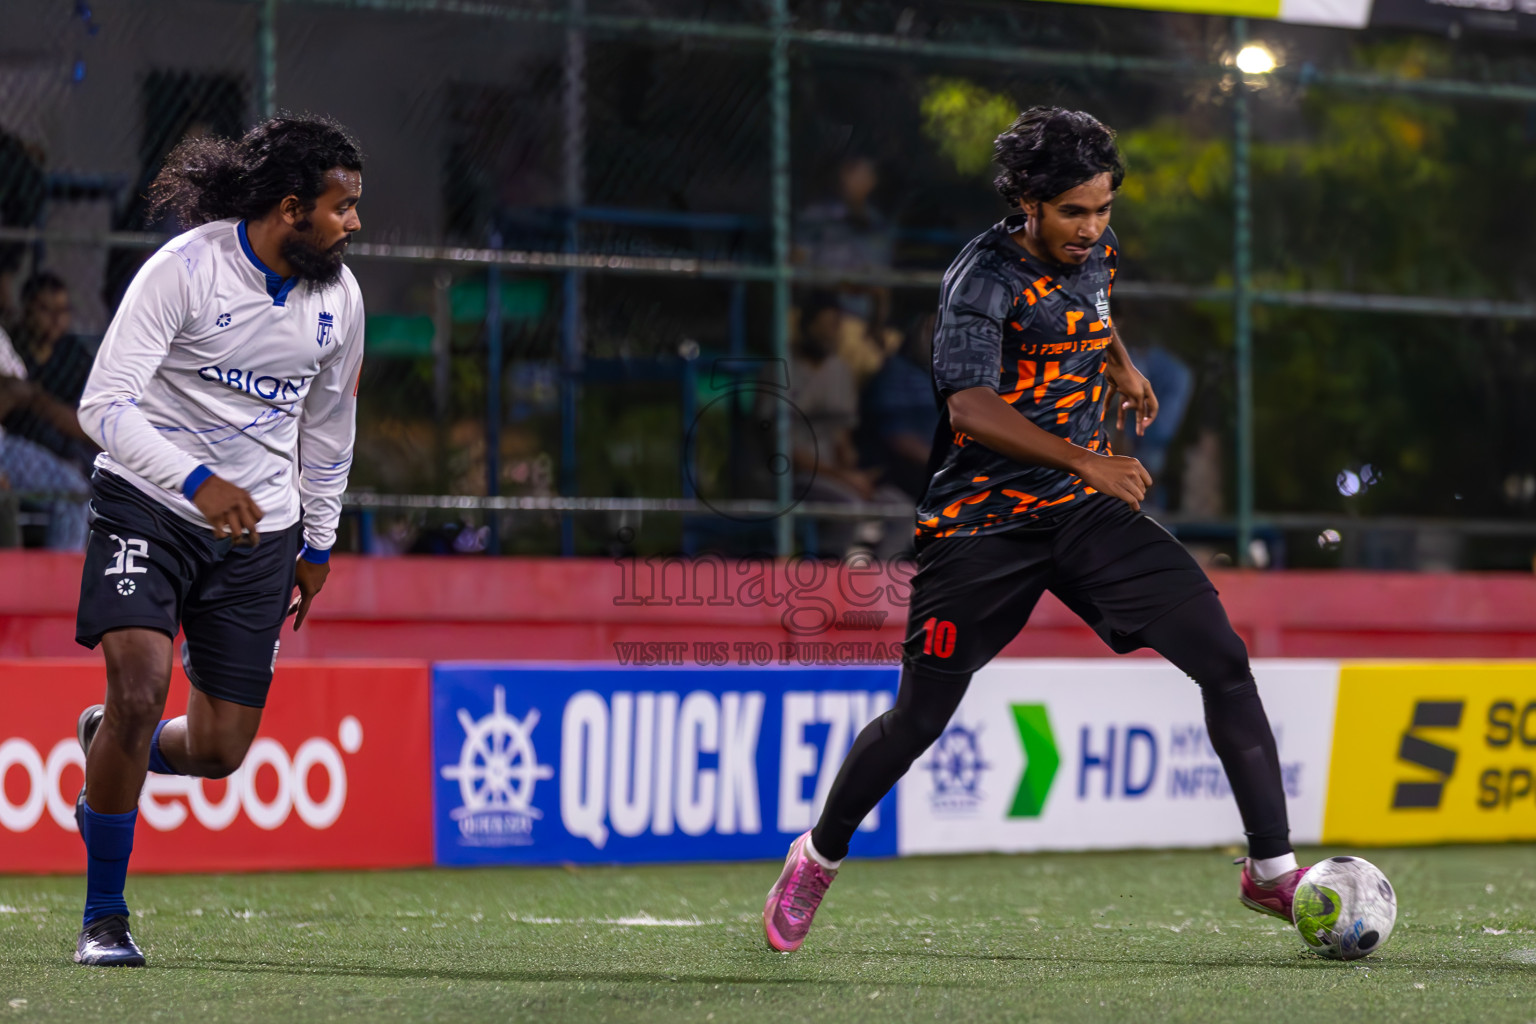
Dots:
{"x": 1256, "y": 59}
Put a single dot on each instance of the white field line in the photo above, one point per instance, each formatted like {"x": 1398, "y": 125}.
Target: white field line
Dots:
{"x": 638, "y": 921}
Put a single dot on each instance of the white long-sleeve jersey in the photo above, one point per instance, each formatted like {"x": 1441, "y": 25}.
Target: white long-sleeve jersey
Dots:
{"x": 214, "y": 364}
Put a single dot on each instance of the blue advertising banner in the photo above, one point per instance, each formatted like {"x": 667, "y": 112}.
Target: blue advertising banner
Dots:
{"x": 542, "y": 764}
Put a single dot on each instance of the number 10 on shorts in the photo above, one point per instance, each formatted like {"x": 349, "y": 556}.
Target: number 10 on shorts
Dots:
{"x": 939, "y": 637}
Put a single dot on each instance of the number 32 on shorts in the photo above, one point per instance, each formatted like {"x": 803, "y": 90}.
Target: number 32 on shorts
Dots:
{"x": 939, "y": 637}
{"x": 127, "y": 551}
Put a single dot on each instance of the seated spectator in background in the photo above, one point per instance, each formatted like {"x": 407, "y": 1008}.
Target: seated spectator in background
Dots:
{"x": 848, "y": 234}
{"x": 1174, "y": 383}
{"x": 57, "y": 361}
{"x": 825, "y": 461}
{"x": 10, "y": 508}
{"x": 898, "y": 413}
{"x": 32, "y": 472}
{"x": 10, "y": 263}
{"x": 23, "y": 189}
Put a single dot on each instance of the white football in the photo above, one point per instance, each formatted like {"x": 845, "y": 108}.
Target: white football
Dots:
{"x": 1344, "y": 908}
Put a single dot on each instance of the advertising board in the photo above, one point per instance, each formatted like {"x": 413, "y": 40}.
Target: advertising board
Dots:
{"x": 338, "y": 776}
{"x": 1098, "y": 754}
{"x": 1434, "y": 752}
{"x": 544, "y": 764}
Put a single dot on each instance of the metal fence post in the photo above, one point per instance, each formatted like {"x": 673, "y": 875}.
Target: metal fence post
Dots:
{"x": 493, "y": 375}
{"x": 573, "y": 156}
{"x": 266, "y": 43}
{"x": 1242, "y": 300}
{"x": 778, "y": 78}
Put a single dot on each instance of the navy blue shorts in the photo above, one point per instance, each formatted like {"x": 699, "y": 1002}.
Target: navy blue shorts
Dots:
{"x": 147, "y": 568}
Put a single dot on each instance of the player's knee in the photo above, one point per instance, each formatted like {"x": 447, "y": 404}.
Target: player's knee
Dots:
{"x": 917, "y": 727}
{"x": 1229, "y": 693}
{"x": 136, "y": 676}
{"x": 134, "y": 702}
{"x": 1224, "y": 665}
{"x": 132, "y": 714}
{"x": 216, "y": 758}
{"x": 221, "y": 765}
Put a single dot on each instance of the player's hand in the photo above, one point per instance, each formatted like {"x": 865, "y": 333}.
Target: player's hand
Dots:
{"x": 310, "y": 578}
{"x": 1132, "y": 391}
{"x": 229, "y": 510}
{"x": 1117, "y": 476}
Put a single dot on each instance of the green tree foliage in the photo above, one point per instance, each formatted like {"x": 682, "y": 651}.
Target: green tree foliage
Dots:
{"x": 962, "y": 118}
{"x": 1354, "y": 192}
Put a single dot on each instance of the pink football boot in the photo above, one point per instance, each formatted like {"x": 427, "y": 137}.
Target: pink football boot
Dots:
{"x": 793, "y": 900}
{"x": 1273, "y": 897}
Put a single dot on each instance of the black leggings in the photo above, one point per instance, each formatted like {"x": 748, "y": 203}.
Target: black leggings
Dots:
{"x": 1195, "y": 636}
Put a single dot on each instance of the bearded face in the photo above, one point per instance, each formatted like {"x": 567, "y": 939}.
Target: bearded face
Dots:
{"x": 310, "y": 258}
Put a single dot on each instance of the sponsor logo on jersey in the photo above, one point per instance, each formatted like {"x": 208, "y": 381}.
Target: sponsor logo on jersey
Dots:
{"x": 1101, "y": 304}
{"x": 252, "y": 383}
{"x": 224, "y": 320}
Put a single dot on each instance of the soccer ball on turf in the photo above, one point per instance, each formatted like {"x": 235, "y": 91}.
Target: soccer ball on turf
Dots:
{"x": 1344, "y": 908}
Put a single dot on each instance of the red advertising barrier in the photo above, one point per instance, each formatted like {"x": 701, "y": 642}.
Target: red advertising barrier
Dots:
{"x": 339, "y": 777}
{"x": 597, "y": 609}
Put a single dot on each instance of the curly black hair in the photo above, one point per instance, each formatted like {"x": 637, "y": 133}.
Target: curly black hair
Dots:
{"x": 1048, "y": 151}
{"x": 209, "y": 178}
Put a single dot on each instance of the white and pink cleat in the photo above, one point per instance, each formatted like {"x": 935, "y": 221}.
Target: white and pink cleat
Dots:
{"x": 793, "y": 900}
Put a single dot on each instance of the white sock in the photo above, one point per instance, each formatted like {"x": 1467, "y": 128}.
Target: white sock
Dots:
{"x": 829, "y": 865}
{"x": 1270, "y": 868}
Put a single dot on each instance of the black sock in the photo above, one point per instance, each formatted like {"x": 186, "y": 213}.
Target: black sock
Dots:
{"x": 883, "y": 752}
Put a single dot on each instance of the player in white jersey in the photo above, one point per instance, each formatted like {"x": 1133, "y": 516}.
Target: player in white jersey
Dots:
{"x": 223, "y": 398}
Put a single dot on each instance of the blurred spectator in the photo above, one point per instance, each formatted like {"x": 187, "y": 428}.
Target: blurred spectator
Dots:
{"x": 898, "y": 413}
{"x": 22, "y": 191}
{"x": 10, "y": 508}
{"x": 848, "y": 234}
{"x": 825, "y": 461}
{"x": 56, "y": 360}
{"x": 32, "y": 472}
{"x": 1173, "y": 382}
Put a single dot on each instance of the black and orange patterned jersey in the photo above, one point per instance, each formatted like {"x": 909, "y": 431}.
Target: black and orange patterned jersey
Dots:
{"x": 1037, "y": 334}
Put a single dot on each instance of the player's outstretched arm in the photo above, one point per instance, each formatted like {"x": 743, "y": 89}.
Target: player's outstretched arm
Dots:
{"x": 327, "y": 432}
{"x": 982, "y": 413}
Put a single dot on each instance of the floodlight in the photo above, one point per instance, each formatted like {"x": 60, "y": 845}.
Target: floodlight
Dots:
{"x": 1255, "y": 59}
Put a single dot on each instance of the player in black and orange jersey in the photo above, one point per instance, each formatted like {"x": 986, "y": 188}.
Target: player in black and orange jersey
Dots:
{"x": 1026, "y": 496}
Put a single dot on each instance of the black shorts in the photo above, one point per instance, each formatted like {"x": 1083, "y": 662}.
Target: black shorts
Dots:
{"x": 146, "y": 567}
{"x": 1113, "y": 566}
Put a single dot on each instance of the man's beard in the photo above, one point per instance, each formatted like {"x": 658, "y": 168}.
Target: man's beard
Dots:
{"x": 312, "y": 263}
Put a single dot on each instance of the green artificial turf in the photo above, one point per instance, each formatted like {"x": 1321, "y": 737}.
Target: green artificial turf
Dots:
{"x": 1116, "y": 937}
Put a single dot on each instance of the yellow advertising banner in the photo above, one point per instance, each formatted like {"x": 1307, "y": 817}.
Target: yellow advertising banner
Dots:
{"x": 1341, "y": 13}
{"x": 1433, "y": 752}
{"x": 1235, "y": 8}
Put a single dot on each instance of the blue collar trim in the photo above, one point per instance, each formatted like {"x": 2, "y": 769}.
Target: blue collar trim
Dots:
{"x": 277, "y": 286}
